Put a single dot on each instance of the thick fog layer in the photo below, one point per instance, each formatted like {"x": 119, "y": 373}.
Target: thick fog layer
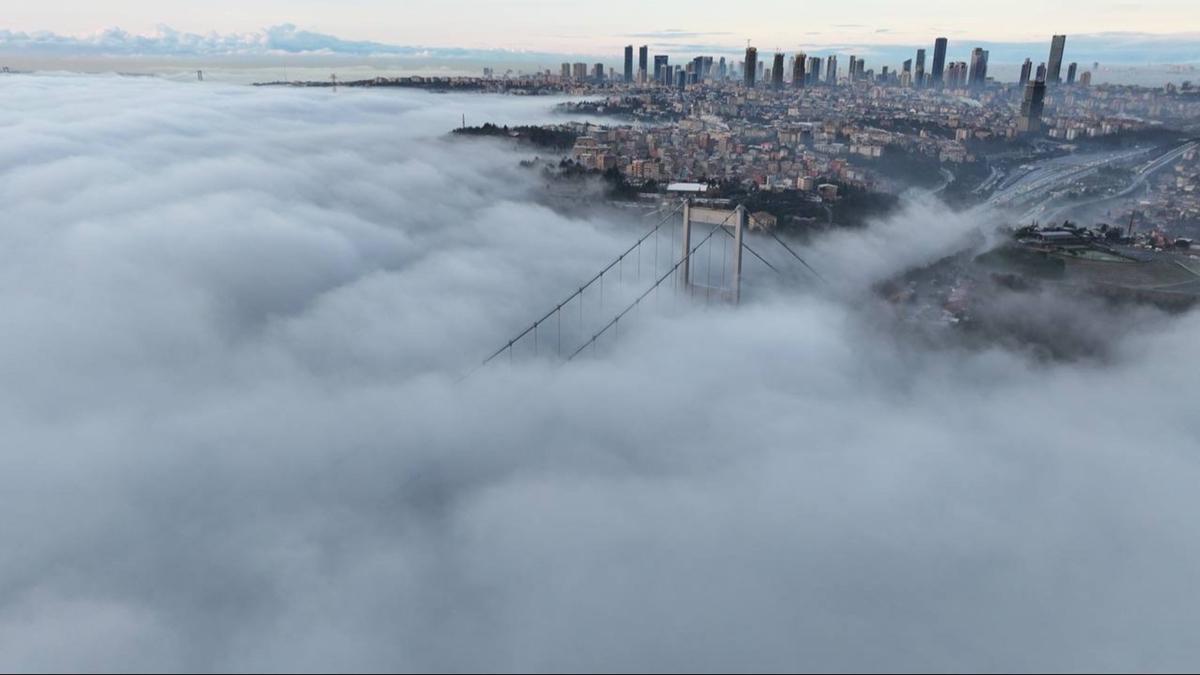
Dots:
{"x": 232, "y": 326}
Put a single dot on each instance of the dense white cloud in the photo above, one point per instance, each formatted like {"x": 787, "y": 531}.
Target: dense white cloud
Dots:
{"x": 231, "y": 326}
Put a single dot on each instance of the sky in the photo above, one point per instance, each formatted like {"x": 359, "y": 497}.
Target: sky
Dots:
{"x": 233, "y": 327}
{"x": 573, "y": 27}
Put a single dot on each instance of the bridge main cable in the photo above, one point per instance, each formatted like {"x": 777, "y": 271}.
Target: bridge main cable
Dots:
{"x": 594, "y": 279}
{"x": 616, "y": 319}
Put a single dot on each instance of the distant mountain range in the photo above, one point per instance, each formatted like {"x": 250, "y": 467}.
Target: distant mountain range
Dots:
{"x": 287, "y": 39}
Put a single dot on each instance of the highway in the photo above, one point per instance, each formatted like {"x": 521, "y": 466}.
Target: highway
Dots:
{"x": 1141, "y": 175}
{"x": 1057, "y": 173}
{"x": 1033, "y": 187}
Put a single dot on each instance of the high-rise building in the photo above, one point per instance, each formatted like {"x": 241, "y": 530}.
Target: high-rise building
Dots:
{"x": 798, "y": 72}
{"x": 1041, "y": 73}
{"x": 643, "y": 64}
{"x": 1085, "y": 80}
{"x": 628, "y": 64}
{"x": 937, "y": 76}
{"x": 566, "y": 71}
{"x": 956, "y": 75}
{"x": 919, "y": 76}
{"x": 722, "y": 70}
{"x": 662, "y": 72}
{"x": 907, "y": 67}
{"x": 579, "y": 71}
{"x": 831, "y": 71}
{"x": 598, "y": 72}
{"x": 777, "y": 71}
{"x": 1054, "y": 66}
{"x": 1031, "y": 108}
{"x": 814, "y": 70}
{"x": 853, "y": 74}
{"x": 751, "y": 66}
{"x": 1071, "y": 71}
{"x": 1026, "y": 73}
{"x": 979, "y": 63}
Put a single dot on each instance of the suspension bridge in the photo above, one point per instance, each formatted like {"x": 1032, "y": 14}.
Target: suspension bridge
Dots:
{"x": 693, "y": 253}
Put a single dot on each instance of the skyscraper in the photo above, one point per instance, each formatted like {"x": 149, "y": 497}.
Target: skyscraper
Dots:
{"x": 662, "y": 71}
{"x": 1026, "y": 73}
{"x": 628, "y": 64}
{"x": 937, "y": 77}
{"x": 777, "y": 71}
{"x": 814, "y": 70}
{"x": 1054, "y": 66}
{"x": 853, "y": 74}
{"x": 643, "y": 57}
{"x": 1071, "y": 71}
{"x": 751, "y": 66}
{"x": 831, "y": 71}
{"x": 978, "y": 75}
{"x": 1031, "y": 107}
{"x": 1041, "y": 73}
{"x": 722, "y": 70}
{"x": 919, "y": 76}
{"x": 956, "y": 75}
{"x": 798, "y": 70}
{"x": 566, "y": 71}
{"x": 598, "y": 73}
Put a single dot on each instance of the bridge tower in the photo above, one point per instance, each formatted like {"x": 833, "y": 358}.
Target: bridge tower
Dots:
{"x": 734, "y": 222}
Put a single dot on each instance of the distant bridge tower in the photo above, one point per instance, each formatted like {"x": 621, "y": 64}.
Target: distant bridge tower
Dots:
{"x": 737, "y": 221}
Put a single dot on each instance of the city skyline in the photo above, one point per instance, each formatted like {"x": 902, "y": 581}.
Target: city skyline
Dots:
{"x": 752, "y": 71}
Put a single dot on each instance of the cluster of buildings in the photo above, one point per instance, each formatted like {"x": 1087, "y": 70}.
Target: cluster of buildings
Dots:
{"x": 1174, "y": 198}
{"x": 802, "y": 121}
{"x": 782, "y": 138}
{"x": 774, "y": 141}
